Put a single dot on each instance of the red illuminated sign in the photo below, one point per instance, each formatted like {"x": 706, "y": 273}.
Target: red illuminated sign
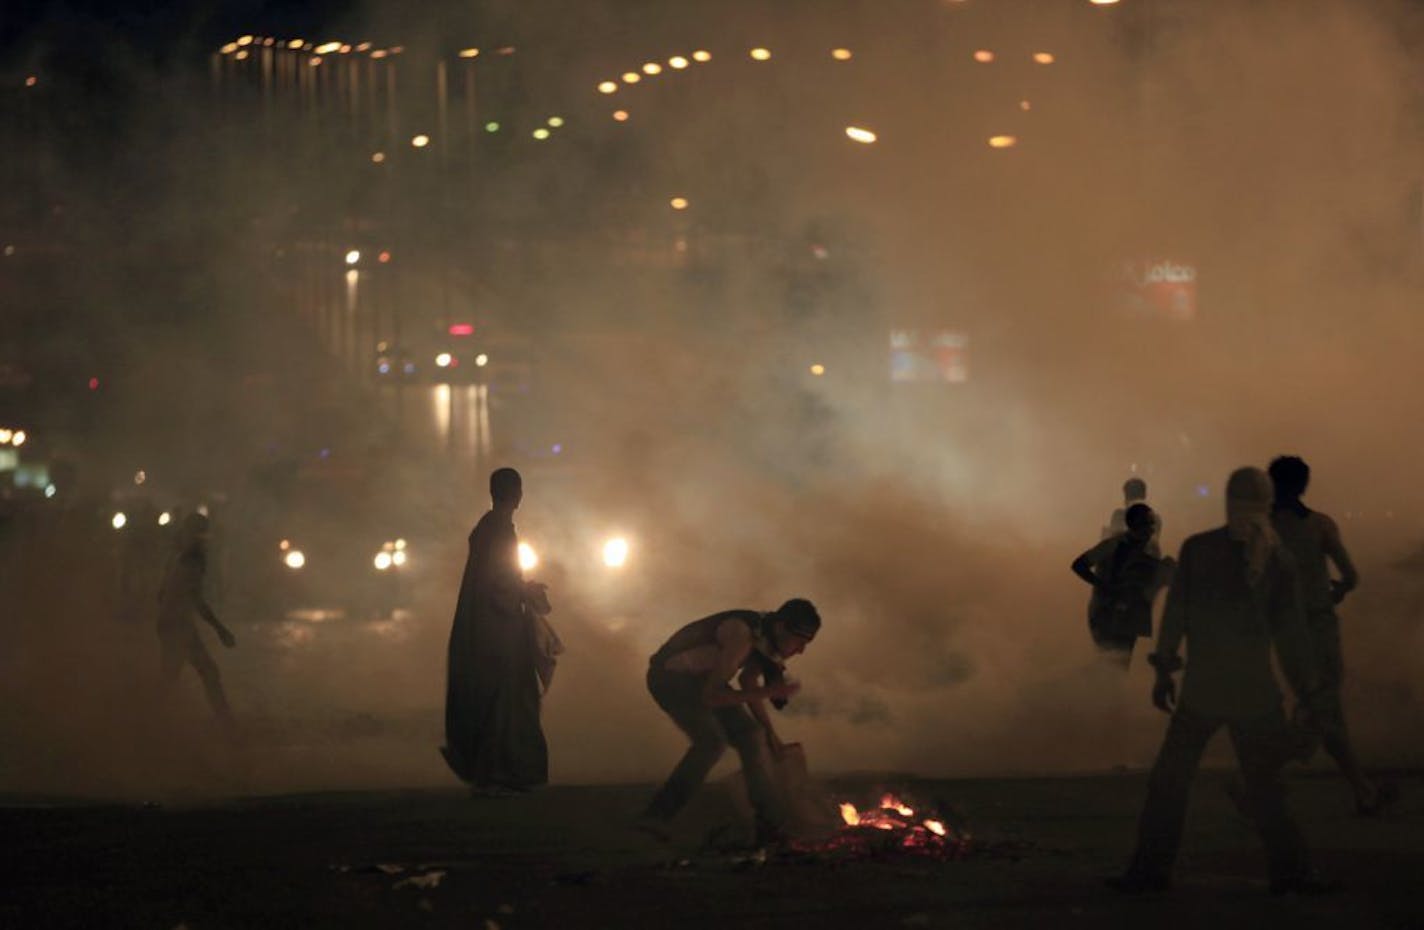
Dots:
{"x": 462, "y": 329}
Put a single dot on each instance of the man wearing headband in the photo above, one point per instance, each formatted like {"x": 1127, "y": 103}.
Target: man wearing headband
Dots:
{"x": 690, "y": 678}
{"x": 1234, "y": 598}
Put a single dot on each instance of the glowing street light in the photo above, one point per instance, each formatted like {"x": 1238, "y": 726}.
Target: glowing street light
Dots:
{"x": 244, "y": 40}
{"x": 326, "y": 48}
{"x": 19, "y": 438}
{"x": 678, "y": 203}
{"x": 608, "y": 87}
{"x": 492, "y": 126}
{"x": 760, "y": 54}
{"x": 1003, "y": 142}
{"x": 469, "y": 53}
{"x": 481, "y": 360}
{"x": 652, "y": 67}
{"x": 1043, "y": 58}
{"x": 631, "y": 77}
{"x": 378, "y": 157}
{"x": 621, "y": 115}
{"x": 556, "y": 121}
{"x": 818, "y": 369}
{"x": 353, "y": 256}
{"x": 863, "y": 136}
{"x": 1103, "y": 2}
{"x": 165, "y": 518}
{"x": 444, "y": 359}
{"x": 541, "y": 133}
{"x": 119, "y": 521}
{"x": 295, "y": 44}
{"x": 677, "y": 62}
{"x": 420, "y": 141}
{"x": 983, "y": 56}
{"x": 702, "y": 55}
{"x": 842, "y": 54}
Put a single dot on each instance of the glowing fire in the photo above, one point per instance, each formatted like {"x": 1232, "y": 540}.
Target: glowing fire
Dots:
{"x": 897, "y": 826}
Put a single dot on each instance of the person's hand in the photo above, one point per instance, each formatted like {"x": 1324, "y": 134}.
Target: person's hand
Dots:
{"x": 1338, "y": 590}
{"x": 226, "y": 638}
{"x": 1164, "y": 693}
{"x": 782, "y": 690}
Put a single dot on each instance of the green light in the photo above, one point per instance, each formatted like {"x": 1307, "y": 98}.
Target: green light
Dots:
{"x": 492, "y": 126}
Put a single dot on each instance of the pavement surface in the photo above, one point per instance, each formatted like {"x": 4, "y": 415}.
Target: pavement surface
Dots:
{"x": 566, "y": 857}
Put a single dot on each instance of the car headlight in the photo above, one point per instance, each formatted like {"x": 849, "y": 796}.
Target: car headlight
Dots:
{"x": 528, "y": 558}
{"x": 382, "y": 561}
{"x": 119, "y": 520}
{"x": 615, "y": 552}
{"x": 294, "y": 559}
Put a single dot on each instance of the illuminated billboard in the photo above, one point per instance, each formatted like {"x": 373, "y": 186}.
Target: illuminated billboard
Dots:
{"x": 1160, "y": 287}
{"x": 929, "y": 356}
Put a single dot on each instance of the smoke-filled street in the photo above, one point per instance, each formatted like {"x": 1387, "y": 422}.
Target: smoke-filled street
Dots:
{"x": 897, "y": 463}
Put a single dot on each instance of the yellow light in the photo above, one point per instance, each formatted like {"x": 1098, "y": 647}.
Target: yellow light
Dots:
{"x": 269, "y": 42}
{"x": 244, "y": 40}
{"x": 19, "y": 438}
{"x": 420, "y": 141}
{"x": 1003, "y": 142}
{"x": 229, "y": 48}
{"x": 631, "y": 77}
{"x": 984, "y": 56}
{"x": 818, "y": 369}
{"x": 760, "y": 54}
{"x": 326, "y": 48}
{"x": 295, "y": 559}
{"x": 379, "y": 53}
{"x": 165, "y": 518}
{"x": 621, "y": 115}
{"x": 378, "y": 157}
{"x": 241, "y": 56}
{"x": 842, "y": 54}
{"x": 615, "y": 552}
{"x": 678, "y": 203}
{"x": 481, "y": 360}
{"x": 702, "y": 55}
{"x": 541, "y": 133}
{"x": 345, "y": 50}
{"x": 469, "y": 53}
{"x": 1103, "y": 2}
{"x": 295, "y": 44}
{"x": 863, "y": 136}
{"x": 528, "y": 558}
{"x": 444, "y": 359}
{"x": 1025, "y": 105}
{"x": 353, "y": 256}
{"x": 119, "y": 520}
{"x": 314, "y": 62}
{"x": 364, "y": 47}
{"x": 677, "y": 62}
{"x": 556, "y": 121}
{"x": 398, "y": 558}
{"x": 608, "y": 87}
{"x": 400, "y": 545}
{"x": 1043, "y": 58}
{"x": 652, "y": 67}
{"x": 5, "y": 436}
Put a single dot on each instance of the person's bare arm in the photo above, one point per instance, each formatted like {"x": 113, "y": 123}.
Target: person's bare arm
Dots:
{"x": 1335, "y": 551}
{"x": 1083, "y": 565}
{"x": 194, "y": 584}
{"x": 734, "y": 643}
{"x": 747, "y": 681}
{"x": 1164, "y": 657}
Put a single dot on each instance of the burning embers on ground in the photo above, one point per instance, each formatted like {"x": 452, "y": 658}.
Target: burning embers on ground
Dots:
{"x": 891, "y": 827}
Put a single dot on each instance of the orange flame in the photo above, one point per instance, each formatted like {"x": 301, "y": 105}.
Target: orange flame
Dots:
{"x": 935, "y": 827}
{"x": 890, "y": 802}
{"x": 850, "y": 815}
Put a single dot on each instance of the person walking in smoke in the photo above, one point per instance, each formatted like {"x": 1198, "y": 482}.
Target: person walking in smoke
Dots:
{"x": 1126, "y": 576}
{"x": 1235, "y": 596}
{"x": 1313, "y": 539}
{"x": 1134, "y": 491}
{"x": 689, "y": 678}
{"x": 180, "y": 597}
{"x": 500, "y": 658}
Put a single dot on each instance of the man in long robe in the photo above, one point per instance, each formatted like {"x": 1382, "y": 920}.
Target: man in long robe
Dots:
{"x": 493, "y": 740}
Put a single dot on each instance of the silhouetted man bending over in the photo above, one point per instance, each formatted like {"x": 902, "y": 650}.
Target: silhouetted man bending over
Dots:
{"x": 690, "y": 677}
{"x": 1313, "y": 539}
{"x": 1233, "y": 598}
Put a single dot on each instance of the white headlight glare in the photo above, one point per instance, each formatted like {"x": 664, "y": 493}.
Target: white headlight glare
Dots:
{"x": 294, "y": 559}
{"x": 615, "y": 552}
{"x": 382, "y": 561}
{"x": 528, "y": 558}
{"x": 398, "y": 557}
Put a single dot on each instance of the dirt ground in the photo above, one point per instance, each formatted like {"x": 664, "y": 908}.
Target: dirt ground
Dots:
{"x": 565, "y": 858}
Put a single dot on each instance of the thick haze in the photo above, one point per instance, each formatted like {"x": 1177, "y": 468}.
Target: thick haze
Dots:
{"x": 1275, "y": 147}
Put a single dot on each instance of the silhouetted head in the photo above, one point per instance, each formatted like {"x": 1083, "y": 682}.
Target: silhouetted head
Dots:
{"x": 1141, "y": 522}
{"x": 1290, "y": 475}
{"x": 506, "y": 488}
{"x": 1134, "y": 489}
{"x": 794, "y": 625}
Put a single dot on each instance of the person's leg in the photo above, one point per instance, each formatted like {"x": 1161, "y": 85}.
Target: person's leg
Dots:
{"x": 1329, "y": 707}
{"x": 1257, "y": 744}
{"x": 1159, "y": 829}
{"x": 680, "y": 697}
{"x": 749, "y": 740}
{"x": 207, "y": 670}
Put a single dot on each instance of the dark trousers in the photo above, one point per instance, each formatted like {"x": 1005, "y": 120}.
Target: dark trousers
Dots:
{"x": 181, "y": 645}
{"x": 1258, "y": 751}
{"x": 711, "y": 731}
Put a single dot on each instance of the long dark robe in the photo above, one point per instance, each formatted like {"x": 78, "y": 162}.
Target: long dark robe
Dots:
{"x": 492, "y": 696}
